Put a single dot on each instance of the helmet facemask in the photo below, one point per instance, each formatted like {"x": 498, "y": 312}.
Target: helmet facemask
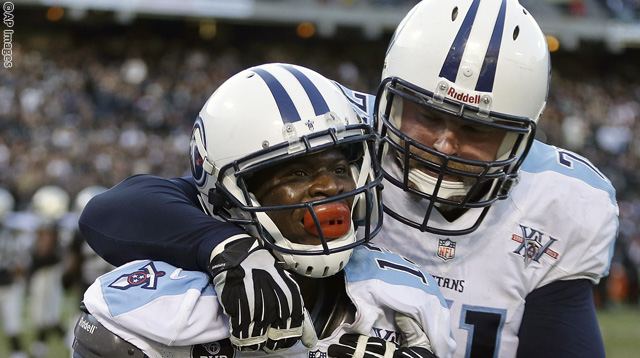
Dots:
{"x": 483, "y": 64}
{"x": 450, "y": 183}
{"x": 338, "y": 222}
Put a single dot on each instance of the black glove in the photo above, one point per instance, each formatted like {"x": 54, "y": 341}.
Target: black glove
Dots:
{"x": 416, "y": 343}
{"x": 263, "y": 302}
{"x": 359, "y": 346}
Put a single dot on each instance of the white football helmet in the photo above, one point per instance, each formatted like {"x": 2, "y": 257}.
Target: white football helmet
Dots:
{"x": 483, "y": 63}
{"x": 50, "y": 203}
{"x": 6, "y": 203}
{"x": 270, "y": 114}
{"x": 86, "y": 194}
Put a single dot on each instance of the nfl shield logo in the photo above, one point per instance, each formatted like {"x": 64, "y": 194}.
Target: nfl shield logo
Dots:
{"x": 317, "y": 354}
{"x": 446, "y": 249}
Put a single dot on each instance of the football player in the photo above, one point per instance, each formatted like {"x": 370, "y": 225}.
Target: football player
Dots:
{"x": 515, "y": 231}
{"x": 13, "y": 263}
{"x": 82, "y": 264}
{"x": 304, "y": 182}
{"x": 49, "y": 204}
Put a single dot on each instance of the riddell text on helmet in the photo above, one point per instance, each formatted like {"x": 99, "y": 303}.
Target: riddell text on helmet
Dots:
{"x": 463, "y": 97}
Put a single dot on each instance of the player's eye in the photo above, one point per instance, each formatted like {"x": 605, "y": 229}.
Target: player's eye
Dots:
{"x": 341, "y": 170}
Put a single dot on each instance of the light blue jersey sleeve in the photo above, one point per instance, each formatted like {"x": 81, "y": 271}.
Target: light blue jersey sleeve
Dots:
{"x": 575, "y": 200}
{"x": 384, "y": 286}
{"x": 543, "y": 157}
{"x": 373, "y": 263}
{"x": 159, "y": 302}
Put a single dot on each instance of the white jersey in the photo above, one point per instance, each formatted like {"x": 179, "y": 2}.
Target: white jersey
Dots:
{"x": 168, "y": 312}
{"x": 559, "y": 223}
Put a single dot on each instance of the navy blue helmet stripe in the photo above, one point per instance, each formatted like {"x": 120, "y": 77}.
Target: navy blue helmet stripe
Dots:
{"x": 287, "y": 109}
{"x": 488, "y": 71}
{"x": 317, "y": 100}
{"x": 454, "y": 57}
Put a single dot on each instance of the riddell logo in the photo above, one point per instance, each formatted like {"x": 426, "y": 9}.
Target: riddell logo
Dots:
{"x": 464, "y": 97}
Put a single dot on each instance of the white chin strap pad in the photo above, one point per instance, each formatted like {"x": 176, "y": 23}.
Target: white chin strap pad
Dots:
{"x": 426, "y": 184}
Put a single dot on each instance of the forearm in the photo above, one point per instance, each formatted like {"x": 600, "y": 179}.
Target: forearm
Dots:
{"x": 146, "y": 217}
{"x": 560, "y": 321}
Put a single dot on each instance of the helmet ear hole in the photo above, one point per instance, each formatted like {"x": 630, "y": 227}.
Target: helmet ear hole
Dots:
{"x": 454, "y": 14}
{"x": 218, "y": 201}
{"x": 516, "y": 32}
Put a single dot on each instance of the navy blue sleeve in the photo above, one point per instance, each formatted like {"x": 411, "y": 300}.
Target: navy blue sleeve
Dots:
{"x": 147, "y": 217}
{"x": 560, "y": 321}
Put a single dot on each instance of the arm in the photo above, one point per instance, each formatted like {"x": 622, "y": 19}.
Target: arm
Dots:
{"x": 147, "y": 217}
{"x": 560, "y": 321}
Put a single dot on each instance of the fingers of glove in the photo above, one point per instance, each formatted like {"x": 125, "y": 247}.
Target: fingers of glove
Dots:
{"x": 414, "y": 352}
{"x": 283, "y": 338}
{"x": 309, "y": 337}
{"x": 293, "y": 297}
{"x": 297, "y": 305}
{"x": 248, "y": 343}
{"x": 271, "y": 301}
{"x": 236, "y": 305}
{"x": 281, "y": 301}
{"x": 276, "y": 345}
{"x": 360, "y": 346}
{"x": 253, "y": 348}
{"x": 277, "y": 334}
{"x": 414, "y": 335}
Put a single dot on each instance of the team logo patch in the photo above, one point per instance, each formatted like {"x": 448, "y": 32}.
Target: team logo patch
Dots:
{"x": 317, "y": 354}
{"x": 533, "y": 244}
{"x": 387, "y": 335}
{"x": 446, "y": 249}
{"x": 197, "y": 160}
{"x": 146, "y": 277}
{"x": 220, "y": 349}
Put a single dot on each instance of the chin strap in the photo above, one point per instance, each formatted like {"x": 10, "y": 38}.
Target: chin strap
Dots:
{"x": 426, "y": 183}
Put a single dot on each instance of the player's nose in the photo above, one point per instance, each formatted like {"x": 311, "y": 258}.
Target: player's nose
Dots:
{"x": 325, "y": 185}
{"x": 447, "y": 142}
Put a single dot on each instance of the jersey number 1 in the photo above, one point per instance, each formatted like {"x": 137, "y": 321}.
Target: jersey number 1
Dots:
{"x": 484, "y": 327}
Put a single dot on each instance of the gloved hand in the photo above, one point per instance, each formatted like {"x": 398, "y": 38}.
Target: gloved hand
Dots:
{"x": 416, "y": 344}
{"x": 263, "y": 302}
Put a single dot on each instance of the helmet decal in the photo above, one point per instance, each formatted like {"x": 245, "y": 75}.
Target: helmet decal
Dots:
{"x": 288, "y": 110}
{"x": 488, "y": 71}
{"x": 317, "y": 100}
{"x": 454, "y": 57}
{"x": 197, "y": 161}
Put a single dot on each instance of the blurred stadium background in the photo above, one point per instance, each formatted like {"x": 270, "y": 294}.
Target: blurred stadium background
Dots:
{"x": 100, "y": 90}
